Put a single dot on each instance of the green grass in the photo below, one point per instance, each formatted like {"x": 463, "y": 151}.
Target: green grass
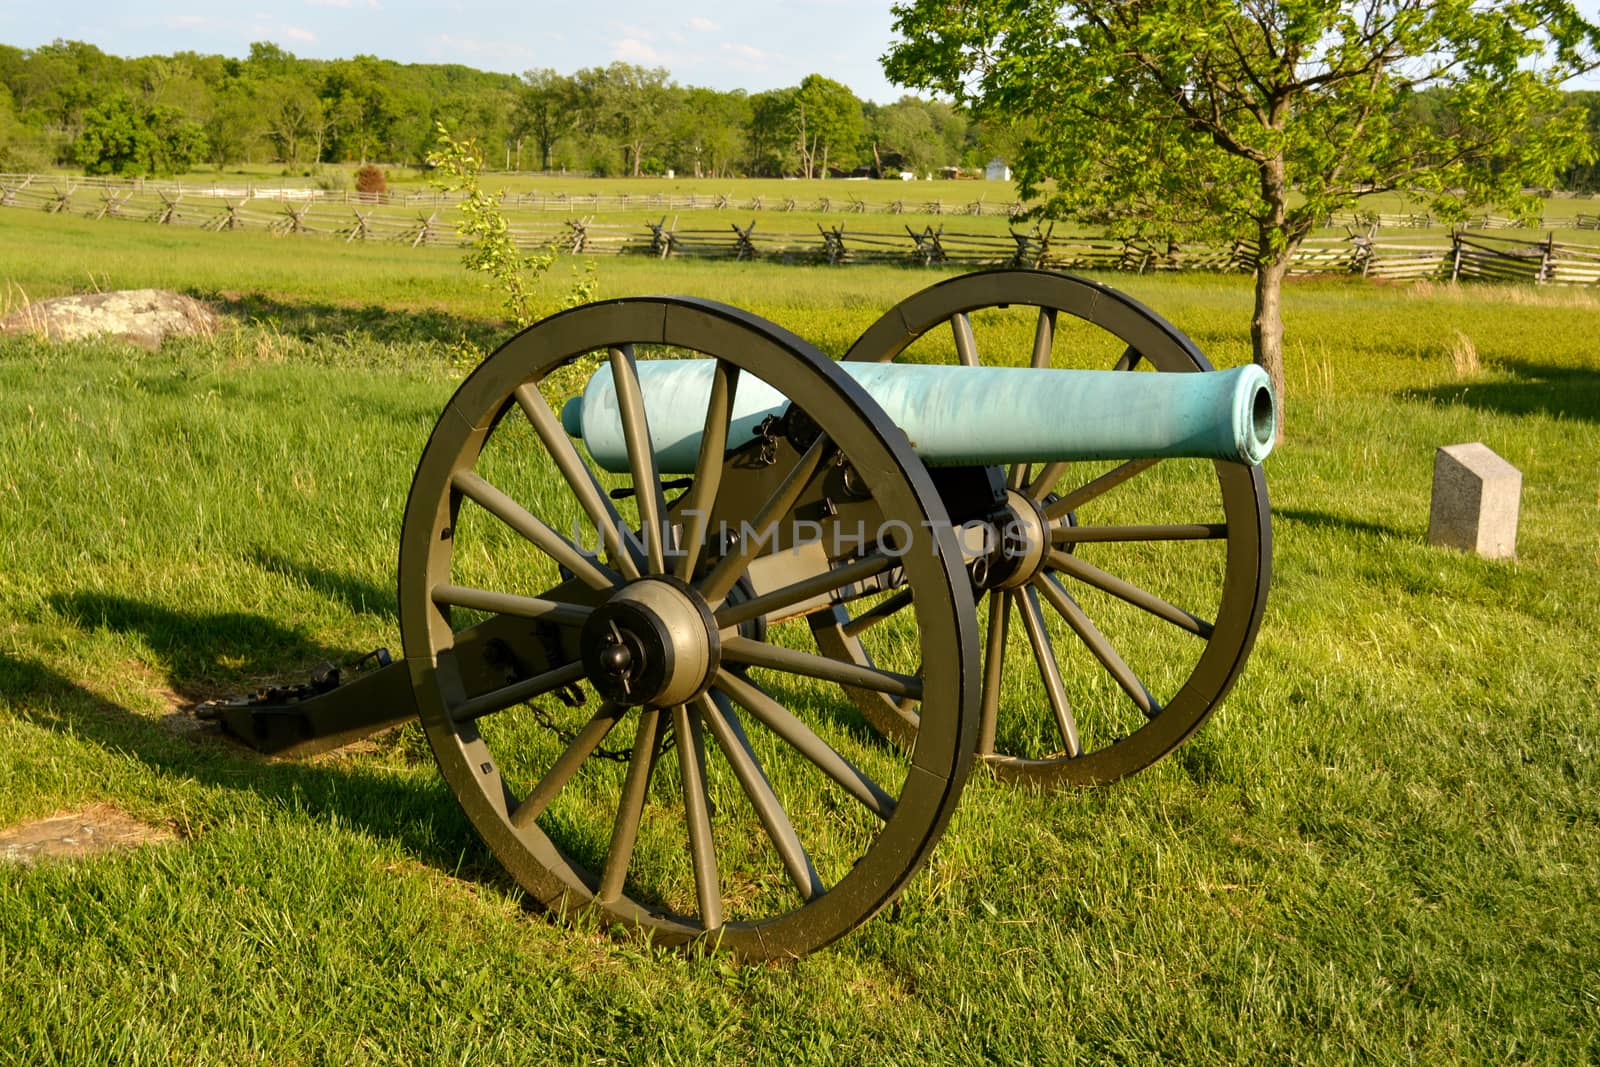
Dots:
{"x": 1380, "y": 850}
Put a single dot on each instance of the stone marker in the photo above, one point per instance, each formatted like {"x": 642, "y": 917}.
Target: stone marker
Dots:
{"x": 1476, "y": 496}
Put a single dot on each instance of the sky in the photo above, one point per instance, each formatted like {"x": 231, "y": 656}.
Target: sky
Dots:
{"x": 751, "y": 44}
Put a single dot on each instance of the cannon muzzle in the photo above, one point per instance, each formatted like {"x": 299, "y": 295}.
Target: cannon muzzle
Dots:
{"x": 964, "y": 416}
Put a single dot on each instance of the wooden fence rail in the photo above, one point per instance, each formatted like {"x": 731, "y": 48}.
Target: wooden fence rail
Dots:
{"x": 1485, "y": 253}
{"x": 530, "y": 200}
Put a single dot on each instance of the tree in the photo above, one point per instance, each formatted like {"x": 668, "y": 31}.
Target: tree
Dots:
{"x": 19, "y": 150}
{"x": 916, "y": 135}
{"x": 1584, "y": 176}
{"x": 826, "y": 120}
{"x": 231, "y": 122}
{"x": 625, "y": 103}
{"x": 292, "y": 115}
{"x": 357, "y": 98}
{"x": 1188, "y": 118}
{"x": 705, "y": 131}
{"x": 124, "y": 137}
{"x": 770, "y": 146}
{"x": 547, "y": 108}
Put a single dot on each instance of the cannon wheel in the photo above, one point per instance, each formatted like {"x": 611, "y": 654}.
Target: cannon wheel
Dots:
{"x": 1113, "y": 725}
{"x": 737, "y": 809}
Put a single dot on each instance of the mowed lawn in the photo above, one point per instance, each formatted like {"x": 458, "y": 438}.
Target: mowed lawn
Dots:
{"x": 1381, "y": 849}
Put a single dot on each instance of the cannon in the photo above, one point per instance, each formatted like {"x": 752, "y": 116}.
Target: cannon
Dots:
{"x": 643, "y": 627}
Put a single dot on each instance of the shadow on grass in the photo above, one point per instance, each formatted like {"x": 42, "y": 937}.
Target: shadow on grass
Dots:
{"x": 383, "y": 325}
{"x": 202, "y": 655}
{"x": 1538, "y": 389}
{"x": 420, "y": 817}
{"x": 1324, "y": 520}
{"x": 358, "y": 594}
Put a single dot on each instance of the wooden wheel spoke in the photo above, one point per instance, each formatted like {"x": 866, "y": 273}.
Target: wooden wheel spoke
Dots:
{"x": 1097, "y": 644}
{"x": 733, "y": 614}
{"x": 730, "y": 737}
{"x": 702, "y": 495}
{"x": 1087, "y": 492}
{"x": 1122, "y": 589}
{"x": 1044, "y": 336}
{"x": 1063, "y": 533}
{"x": 534, "y": 530}
{"x": 517, "y": 692}
{"x": 728, "y": 569}
{"x": 1049, "y": 475}
{"x": 737, "y": 649}
{"x": 1050, "y": 671}
{"x": 878, "y": 613}
{"x": 800, "y": 737}
{"x": 994, "y": 657}
{"x": 580, "y": 479}
{"x": 1129, "y": 359}
{"x": 523, "y": 607}
{"x": 566, "y": 765}
{"x": 630, "y": 806}
{"x": 641, "y": 457}
{"x": 966, "y": 344}
{"x": 697, "y": 814}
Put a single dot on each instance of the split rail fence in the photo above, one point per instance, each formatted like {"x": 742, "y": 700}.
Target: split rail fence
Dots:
{"x": 1462, "y": 254}
{"x": 596, "y": 203}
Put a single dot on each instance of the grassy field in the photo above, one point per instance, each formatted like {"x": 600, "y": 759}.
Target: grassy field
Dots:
{"x": 1380, "y": 850}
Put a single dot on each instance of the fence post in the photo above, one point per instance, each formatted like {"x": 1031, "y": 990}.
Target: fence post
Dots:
{"x": 1455, "y": 265}
{"x": 744, "y": 247}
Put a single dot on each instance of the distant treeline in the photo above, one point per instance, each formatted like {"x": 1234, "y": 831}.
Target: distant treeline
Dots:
{"x": 70, "y": 104}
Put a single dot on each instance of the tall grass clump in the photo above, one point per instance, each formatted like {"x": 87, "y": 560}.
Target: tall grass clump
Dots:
{"x": 1464, "y": 356}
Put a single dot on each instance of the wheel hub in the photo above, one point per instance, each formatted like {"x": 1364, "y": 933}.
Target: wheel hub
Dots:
{"x": 653, "y": 643}
{"x": 1018, "y": 540}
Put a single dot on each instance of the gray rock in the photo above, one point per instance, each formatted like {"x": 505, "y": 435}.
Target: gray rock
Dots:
{"x": 1476, "y": 498}
{"x": 143, "y": 316}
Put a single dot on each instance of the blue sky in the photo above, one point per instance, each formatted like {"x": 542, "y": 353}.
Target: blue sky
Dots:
{"x": 754, "y": 44}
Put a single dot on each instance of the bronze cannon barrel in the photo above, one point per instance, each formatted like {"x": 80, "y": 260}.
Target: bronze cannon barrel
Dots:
{"x": 965, "y": 416}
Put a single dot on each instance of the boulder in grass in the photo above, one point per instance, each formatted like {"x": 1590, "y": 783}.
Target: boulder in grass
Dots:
{"x": 143, "y": 316}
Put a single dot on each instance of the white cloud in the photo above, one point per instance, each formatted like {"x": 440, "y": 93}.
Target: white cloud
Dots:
{"x": 329, "y": 3}
{"x": 744, "y": 53}
{"x": 703, "y": 24}
{"x": 633, "y": 50}
{"x": 187, "y": 22}
{"x": 296, "y": 33}
{"x": 447, "y": 46}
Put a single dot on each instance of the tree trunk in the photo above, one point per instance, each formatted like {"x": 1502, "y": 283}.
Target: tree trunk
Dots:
{"x": 1272, "y": 263}
{"x": 1266, "y": 325}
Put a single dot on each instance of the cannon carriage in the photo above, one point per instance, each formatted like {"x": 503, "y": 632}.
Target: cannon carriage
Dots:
{"x": 646, "y": 629}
